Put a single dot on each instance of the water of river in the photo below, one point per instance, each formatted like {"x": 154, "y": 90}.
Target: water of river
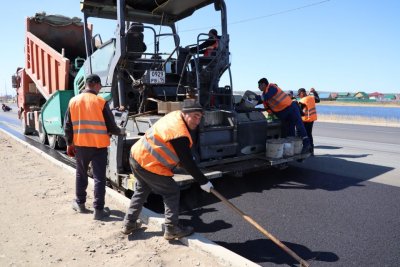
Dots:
{"x": 363, "y": 111}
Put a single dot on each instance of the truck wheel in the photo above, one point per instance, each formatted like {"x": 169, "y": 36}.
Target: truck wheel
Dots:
{"x": 42, "y": 136}
{"x": 26, "y": 130}
{"x": 52, "y": 141}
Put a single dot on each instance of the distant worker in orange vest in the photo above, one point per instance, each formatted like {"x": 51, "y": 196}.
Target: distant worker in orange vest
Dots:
{"x": 208, "y": 46}
{"x": 154, "y": 156}
{"x": 88, "y": 124}
{"x": 307, "y": 105}
{"x": 279, "y": 103}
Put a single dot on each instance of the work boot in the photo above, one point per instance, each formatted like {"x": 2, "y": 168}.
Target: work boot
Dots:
{"x": 130, "y": 226}
{"x": 177, "y": 231}
{"x": 100, "y": 214}
{"x": 80, "y": 208}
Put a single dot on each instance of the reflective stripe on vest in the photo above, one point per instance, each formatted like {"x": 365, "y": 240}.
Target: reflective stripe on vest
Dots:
{"x": 310, "y": 112}
{"x": 171, "y": 154}
{"x": 87, "y": 119}
{"x": 279, "y": 101}
{"x": 87, "y": 124}
{"x": 154, "y": 152}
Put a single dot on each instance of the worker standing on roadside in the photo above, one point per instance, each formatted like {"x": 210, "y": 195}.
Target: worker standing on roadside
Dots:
{"x": 307, "y": 105}
{"x": 279, "y": 103}
{"x": 87, "y": 125}
{"x": 153, "y": 157}
{"x": 294, "y": 99}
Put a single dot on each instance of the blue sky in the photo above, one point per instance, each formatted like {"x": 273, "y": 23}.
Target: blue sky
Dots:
{"x": 335, "y": 45}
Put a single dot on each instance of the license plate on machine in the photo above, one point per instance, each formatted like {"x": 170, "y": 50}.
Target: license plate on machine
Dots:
{"x": 157, "y": 77}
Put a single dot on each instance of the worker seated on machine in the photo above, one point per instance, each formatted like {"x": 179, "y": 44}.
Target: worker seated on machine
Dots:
{"x": 208, "y": 47}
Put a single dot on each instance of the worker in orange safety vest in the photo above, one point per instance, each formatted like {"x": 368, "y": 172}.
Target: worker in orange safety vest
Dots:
{"x": 279, "y": 103}
{"x": 154, "y": 156}
{"x": 307, "y": 105}
{"x": 208, "y": 46}
{"x": 88, "y": 124}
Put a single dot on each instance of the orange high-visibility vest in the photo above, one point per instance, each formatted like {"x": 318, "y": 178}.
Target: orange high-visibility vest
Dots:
{"x": 310, "y": 112}
{"x": 211, "y": 48}
{"x": 88, "y": 123}
{"x": 277, "y": 102}
{"x": 154, "y": 152}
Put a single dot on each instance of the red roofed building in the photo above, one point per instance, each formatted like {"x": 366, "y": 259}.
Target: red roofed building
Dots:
{"x": 376, "y": 95}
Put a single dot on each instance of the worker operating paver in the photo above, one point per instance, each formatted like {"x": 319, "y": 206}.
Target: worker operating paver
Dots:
{"x": 279, "y": 103}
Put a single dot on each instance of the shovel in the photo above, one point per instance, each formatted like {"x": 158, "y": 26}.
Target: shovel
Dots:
{"x": 302, "y": 262}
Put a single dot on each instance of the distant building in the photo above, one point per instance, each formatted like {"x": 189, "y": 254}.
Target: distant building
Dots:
{"x": 376, "y": 96}
{"x": 389, "y": 97}
{"x": 343, "y": 95}
{"x": 325, "y": 96}
{"x": 334, "y": 95}
{"x": 361, "y": 95}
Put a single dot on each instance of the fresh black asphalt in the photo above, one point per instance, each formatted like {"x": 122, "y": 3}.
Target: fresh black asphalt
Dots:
{"x": 326, "y": 219}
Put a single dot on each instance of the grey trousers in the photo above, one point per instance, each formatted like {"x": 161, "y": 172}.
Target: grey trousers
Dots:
{"x": 146, "y": 182}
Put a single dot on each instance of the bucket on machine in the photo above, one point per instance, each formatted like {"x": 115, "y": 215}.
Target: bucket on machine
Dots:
{"x": 288, "y": 148}
{"x": 297, "y": 143}
{"x": 274, "y": 148}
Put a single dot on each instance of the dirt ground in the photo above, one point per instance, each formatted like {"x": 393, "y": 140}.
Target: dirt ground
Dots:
{"x": 39, "y": 228}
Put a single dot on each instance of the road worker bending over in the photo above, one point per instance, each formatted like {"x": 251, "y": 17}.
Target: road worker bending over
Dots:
{"x": 280, "y": 104}
{"x": 153, "y": 157}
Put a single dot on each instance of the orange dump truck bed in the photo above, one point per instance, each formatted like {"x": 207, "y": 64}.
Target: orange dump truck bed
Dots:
{"x": 51, "y": 43}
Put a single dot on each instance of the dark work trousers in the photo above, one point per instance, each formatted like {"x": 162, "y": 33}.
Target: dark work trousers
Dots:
{"x": 309, "y": 126}
{"x": 291, "y": 115}
{"x": 98, "y": 157}
{"x": 162, "y": 185}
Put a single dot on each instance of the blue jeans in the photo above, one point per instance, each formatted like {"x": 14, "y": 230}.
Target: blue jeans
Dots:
{"x": 291, "y": 116}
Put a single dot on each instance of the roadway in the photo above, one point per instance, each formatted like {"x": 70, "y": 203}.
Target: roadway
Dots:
{"x": 339, "y": 208}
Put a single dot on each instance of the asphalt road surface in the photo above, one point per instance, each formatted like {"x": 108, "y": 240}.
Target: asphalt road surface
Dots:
{"x": 340, "y": 208}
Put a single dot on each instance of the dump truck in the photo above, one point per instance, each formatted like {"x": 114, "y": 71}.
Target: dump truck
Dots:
{"x": 147, "y": 71}
{"x": 54, "y": 52}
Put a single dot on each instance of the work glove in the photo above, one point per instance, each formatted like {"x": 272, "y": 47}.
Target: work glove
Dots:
{"x": 71, "y": 151}
{"x": 207, "y": 187}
